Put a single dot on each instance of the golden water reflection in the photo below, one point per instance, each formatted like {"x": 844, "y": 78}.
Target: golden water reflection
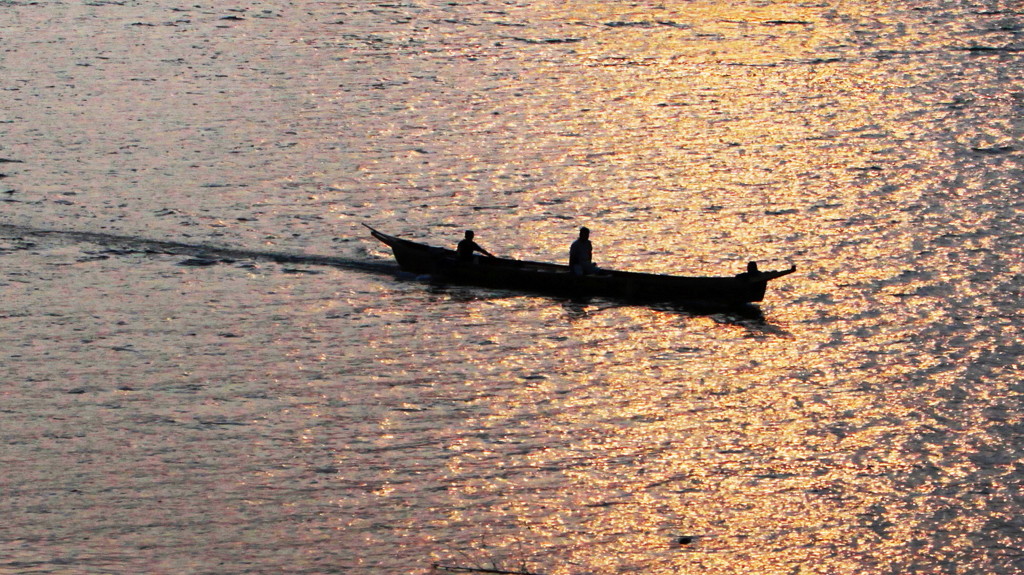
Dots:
{"x": 780, "y": 454}
{"x": 867, "y": 421}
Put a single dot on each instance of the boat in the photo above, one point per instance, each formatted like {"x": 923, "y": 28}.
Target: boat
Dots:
{"x": 443, "y": 265}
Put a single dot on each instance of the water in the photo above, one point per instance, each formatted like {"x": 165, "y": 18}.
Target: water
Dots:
{"x": 270, "y": 413}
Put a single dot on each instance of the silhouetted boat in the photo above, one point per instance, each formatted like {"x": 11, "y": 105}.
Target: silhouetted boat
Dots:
{"x": 443, "y": 265}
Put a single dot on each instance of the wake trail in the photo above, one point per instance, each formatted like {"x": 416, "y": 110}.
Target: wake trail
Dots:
{"x": 135, "y": 244}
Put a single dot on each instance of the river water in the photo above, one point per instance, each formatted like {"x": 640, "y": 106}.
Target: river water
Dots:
{"x": 165, "y": 413}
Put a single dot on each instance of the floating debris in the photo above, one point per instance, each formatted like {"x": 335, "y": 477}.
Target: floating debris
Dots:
{"x": 198, "y": 262}
{"x": 994, "y": 150}
{"x": 548, "y": 40}
{"x": 630, "y": 24}
{"x": 460, "y": 569}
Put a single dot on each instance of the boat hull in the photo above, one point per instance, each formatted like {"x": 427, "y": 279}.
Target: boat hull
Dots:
{"x": 443, "y": 265}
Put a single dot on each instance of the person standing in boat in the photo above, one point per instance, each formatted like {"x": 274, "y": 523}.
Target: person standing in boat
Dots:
{"x": 467, "y": 246}
{"x": 581, "y": 254}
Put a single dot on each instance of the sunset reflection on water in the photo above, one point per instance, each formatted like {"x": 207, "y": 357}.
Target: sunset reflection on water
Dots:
{"x": 244, "y": 416}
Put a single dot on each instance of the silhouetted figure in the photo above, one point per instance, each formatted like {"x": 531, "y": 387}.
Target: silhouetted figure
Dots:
{"x": 467, "y": 246}
{"x": 751, "y": 273}
{"x": 581, "y": 254}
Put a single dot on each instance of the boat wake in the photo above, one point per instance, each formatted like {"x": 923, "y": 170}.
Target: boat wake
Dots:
{"x": 199, "y": 253}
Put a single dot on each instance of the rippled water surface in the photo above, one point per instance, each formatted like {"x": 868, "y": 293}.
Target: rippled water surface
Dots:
{"x": 178, "y": 398}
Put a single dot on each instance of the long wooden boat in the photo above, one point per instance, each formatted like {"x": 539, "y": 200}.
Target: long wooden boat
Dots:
{"x": 443, "y": 264}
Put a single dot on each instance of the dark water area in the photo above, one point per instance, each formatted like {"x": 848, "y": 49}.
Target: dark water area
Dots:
{"x": 209, "y": 366}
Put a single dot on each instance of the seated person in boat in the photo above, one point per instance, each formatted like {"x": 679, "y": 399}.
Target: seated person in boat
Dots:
{"x": 467, "y": 246}
{"x": 581, "y": 254}
{"x": 751, "y": 273}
